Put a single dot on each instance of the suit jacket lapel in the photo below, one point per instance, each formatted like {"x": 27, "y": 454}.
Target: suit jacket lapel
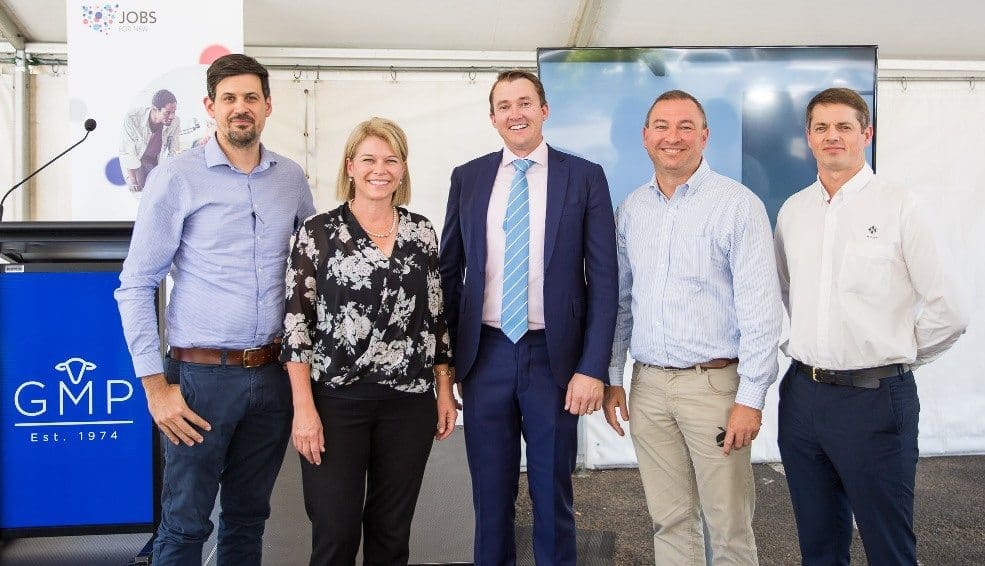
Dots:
{"x": 557, "y": 186}
{"x": 484, "y": 180}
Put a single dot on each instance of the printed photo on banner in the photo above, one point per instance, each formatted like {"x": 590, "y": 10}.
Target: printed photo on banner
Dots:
{"x": 138, "y": 68}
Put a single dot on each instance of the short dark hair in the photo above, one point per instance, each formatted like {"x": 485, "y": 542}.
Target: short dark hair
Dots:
{"x": 162, "y": 98}
{"x": 840, "y": 95}
{"x": 515, "y": 75}
{"x": 676, "y": 95}
{"x": 232, "y": 65}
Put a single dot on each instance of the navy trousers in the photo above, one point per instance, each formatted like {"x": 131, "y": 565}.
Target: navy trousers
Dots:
{"x": 250, "y": 410}
{"x": 510, "y": 392}
{"x": 849, "y": 450}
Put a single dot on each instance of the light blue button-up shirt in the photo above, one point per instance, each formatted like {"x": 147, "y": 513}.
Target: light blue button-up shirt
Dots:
{"x": 223, "y": 234}
{"x": 697, "y": 281}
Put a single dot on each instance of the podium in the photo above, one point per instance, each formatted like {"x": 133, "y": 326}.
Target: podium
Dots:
{"x": 79, "y": 453}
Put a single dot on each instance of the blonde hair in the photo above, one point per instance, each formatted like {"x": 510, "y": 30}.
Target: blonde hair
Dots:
{"x": 394, "y": 136}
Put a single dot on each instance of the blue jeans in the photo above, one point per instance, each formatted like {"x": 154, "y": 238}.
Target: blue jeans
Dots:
{"x": 851, "y": 451}
{"x": 250, "y": 411}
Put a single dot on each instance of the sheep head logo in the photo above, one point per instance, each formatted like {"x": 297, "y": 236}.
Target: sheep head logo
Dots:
{"x": 75, "y": 368}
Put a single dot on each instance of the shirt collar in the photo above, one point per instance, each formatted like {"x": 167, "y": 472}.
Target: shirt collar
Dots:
{"x": 538, "y": 155}
{"x": 693, "y": 182}
{"x": 215, "y": 156}
{"x": 851, "y": 186}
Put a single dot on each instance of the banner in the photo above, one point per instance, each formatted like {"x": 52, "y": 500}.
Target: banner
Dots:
{"x": 138, "y": 69}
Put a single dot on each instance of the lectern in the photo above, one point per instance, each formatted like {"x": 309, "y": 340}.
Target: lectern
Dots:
{"x": 78, "y": 450}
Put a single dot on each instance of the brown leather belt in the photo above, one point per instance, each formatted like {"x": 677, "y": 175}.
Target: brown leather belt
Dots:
{"x": 717, "y": 363}
{"x": 248, "y": 358}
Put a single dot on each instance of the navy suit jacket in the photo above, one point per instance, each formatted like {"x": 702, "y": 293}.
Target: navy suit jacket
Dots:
{"x": 581, "y": 281}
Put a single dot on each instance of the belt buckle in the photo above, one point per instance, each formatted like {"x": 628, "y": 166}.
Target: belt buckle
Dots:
{"x": 247, "y": 353}
{"x": 814, "y": 374}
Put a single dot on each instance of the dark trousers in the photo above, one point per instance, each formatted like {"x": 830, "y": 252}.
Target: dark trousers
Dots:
{"x": 510, "y": 392}
{"x": 250, "y": 412}
{"x": 369, "y": 478}
{"x": 849, "y": 450}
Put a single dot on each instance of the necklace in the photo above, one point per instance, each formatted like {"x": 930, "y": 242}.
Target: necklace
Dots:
{"x": 393, "y": 223}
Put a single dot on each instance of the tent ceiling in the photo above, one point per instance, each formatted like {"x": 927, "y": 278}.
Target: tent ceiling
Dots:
{"x": 945, "y": 29}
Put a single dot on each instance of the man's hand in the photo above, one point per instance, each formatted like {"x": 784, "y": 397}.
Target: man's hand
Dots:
{"x": 307, "y": 434}
{"x": 615, "y": 398}
{"x": 743, "y": 427}
{"x": 170, "y": 412}
{"x": 584, "y": 395}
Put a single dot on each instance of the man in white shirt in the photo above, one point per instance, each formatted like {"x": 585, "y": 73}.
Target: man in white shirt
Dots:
{"x": 869, "y": 299}
{"x": 149, "y": 136}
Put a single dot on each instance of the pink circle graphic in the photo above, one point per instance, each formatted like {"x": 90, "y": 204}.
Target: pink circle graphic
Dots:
{"x": 211, "y": 53}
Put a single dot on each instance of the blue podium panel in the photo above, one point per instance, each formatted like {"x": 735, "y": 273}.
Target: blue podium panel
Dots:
{"x": 77, "y": 444}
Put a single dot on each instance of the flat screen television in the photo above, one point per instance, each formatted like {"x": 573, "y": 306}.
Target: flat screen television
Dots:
{"x": 754, "y": 97}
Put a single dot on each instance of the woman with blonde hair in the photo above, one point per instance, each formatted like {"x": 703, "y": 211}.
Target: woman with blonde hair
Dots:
{"x": 367, "y": 350}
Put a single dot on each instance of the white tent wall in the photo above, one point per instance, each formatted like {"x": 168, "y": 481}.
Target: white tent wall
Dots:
{"x": 51, "y": 190}
{"x": 927, "y": 138}
{"x": 6, "y": 128}
{"x": 445, "y": 117}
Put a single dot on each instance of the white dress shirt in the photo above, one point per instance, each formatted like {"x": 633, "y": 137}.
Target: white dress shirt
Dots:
{"x": 492, "y": 304}
{"x": 863, "y": 279}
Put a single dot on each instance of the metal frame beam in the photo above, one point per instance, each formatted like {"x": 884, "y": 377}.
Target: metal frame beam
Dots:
{"x": 585, "y": 23}
{"x": 9, "y": 30}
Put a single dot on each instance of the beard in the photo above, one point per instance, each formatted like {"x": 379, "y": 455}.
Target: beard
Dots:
{"x": 242, "y": 138}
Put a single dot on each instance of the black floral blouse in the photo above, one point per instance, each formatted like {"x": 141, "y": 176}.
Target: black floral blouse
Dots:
{"x": 357, "y": 316}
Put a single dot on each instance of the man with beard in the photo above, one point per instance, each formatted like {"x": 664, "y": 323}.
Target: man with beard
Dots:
{"x": 150, "y": 135}
{"x": 218, "y": 219}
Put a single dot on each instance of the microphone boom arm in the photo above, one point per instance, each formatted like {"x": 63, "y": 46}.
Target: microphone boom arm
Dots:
{"x": 42, "y": 168}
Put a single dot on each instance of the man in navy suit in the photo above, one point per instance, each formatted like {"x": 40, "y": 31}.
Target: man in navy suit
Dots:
{"x": 530, "y": 364}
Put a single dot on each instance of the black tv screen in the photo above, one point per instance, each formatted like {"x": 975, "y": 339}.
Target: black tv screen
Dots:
{"x": 754, "y": 97}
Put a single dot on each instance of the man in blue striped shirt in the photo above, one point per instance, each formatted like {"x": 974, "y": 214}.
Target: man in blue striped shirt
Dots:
{"x": 700, "y": 311}
{"x": 218, "y": 218}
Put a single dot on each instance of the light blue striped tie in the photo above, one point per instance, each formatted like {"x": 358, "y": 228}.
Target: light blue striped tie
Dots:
{"x": 516, "y": 265}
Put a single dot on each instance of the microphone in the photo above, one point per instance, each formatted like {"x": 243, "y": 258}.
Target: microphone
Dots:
{"x": 195, "y": 125}
{"x": 89, "y": 126}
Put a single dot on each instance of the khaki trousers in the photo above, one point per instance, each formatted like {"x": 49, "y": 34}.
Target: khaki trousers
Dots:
{"x": 677, "y": 418}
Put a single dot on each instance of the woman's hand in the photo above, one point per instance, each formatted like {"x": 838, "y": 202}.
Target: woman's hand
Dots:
{"x": 444, "y": 376}
{"x": 447, "y": 414}
{"x": 307, "y": 434}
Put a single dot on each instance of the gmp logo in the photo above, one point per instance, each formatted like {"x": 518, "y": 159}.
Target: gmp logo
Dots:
{"x": 77, "y": 400}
